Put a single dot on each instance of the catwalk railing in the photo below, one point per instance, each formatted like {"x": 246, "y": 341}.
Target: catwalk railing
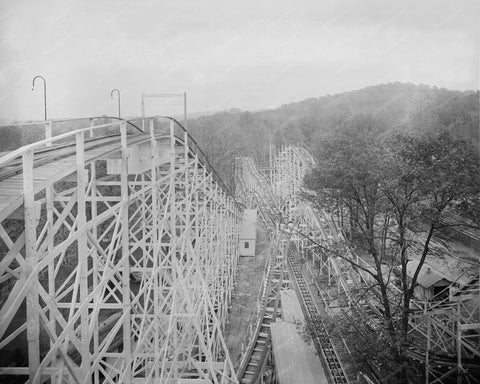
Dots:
{"x": 118, "y": 251}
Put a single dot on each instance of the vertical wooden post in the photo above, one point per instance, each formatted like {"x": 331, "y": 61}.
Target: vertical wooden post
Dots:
{"x": 172, "y": 181}
{"x": 457, "y": 321}
{"x": 329, "y": 270}
{"x": 91, "y": 133}
{"x": 48, "y": 132}
{"x": 187, "y": 197}
{"x": 82, "y": 252}
{"x": 127, "y": 334}
{"x": 154, "y": 248}
{"x": 94, "y": 255}
{"x": 173, "y": 232}
{"x": 49, "y": 197}
{"x": 196, "y": 191}
{"x": 31, "y": 260}
{"x": 427, "y": 350}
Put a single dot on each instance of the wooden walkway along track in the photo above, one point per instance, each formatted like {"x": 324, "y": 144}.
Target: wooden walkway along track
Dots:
{"x": 320, "y": 336}
{"x": 256, "y": 357}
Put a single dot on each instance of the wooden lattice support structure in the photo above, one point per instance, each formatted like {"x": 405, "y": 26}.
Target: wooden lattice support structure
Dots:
{"x": 446, "y": 334}
{"x": 447, "y": 337}
{"x": 290, "y": 166}
{"x": 117, "y": 259}
{"x": 255, "y": 191}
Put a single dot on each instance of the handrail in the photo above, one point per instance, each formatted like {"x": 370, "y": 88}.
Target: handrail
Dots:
{"x": 45, "y": 142}
{"x": 10, "y": 156}
{"x": 49, "y": 121}
{"x": 205, "y": 159}
{"x": 30, "y": 147}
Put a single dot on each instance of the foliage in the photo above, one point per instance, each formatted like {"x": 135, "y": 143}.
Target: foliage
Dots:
{"x": 393, "y": 107}
{"x": 391, "y": 187}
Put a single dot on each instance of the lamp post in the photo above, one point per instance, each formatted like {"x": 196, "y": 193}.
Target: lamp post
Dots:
{"x": 44, "y": 92}
{"x": 118, "y": 94}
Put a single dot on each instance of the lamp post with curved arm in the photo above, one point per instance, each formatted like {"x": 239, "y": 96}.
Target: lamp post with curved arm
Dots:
{"x": 44, "y": 92}
{"x": 118, "y": 94}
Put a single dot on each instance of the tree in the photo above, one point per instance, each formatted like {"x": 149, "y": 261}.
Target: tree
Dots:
{"x": 349, "y": 175}
{"x": 393, "y": 188}
{"x": 426, "y": 179}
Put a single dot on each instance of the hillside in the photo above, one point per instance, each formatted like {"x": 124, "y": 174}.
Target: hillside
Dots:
{"x": 392, "y": 107}
{"x": 417, "y": 108}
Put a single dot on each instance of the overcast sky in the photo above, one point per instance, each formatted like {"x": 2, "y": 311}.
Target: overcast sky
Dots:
{"x": 249, "y": 54}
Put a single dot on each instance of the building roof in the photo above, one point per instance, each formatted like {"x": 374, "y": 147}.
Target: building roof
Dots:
{"x": 250, "y": 215}
{"x": 249, "y": 224}
{"x": 428, "y": 275}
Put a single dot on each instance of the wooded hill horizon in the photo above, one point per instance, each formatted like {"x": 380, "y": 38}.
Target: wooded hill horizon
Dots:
{"x": 388, "y": 108}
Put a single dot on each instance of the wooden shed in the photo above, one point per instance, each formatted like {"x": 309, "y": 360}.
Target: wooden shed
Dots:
{"x": 431, "y": 283}
{"x": 248, "y": 233}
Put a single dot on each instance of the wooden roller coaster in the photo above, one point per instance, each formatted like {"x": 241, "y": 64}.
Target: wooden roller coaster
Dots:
{"x": 118, "y": 252}
{"x": 446, "y": 331}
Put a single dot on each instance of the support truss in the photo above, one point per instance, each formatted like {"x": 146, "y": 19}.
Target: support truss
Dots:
{"x": 256, "y": 192}
{"x": 446, "y": 333}
{"x": 117, "y": 262}
{"x": 291, "y": 164}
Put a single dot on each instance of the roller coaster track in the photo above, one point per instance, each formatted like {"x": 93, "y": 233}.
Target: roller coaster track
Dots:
{"x": 118, "y": 251}
{"x": 256, "y": 355}
{"x": 254, "y": 360}
{"x": 446, "y": 331}
{"x": 319, "y": 333}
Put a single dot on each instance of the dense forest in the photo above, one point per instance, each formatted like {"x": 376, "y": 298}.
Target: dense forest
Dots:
{"x": 394, "y": 107}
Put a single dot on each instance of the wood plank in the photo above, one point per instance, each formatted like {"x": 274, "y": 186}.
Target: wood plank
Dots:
{"x": 9, "y": 186}
{"x": 4, "y": 192}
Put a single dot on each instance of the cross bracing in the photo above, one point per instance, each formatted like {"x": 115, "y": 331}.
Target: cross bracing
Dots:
{"x": 118, "y": 257}
{"x": 290, "y": 167}
{"x": 445, "y": 333}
